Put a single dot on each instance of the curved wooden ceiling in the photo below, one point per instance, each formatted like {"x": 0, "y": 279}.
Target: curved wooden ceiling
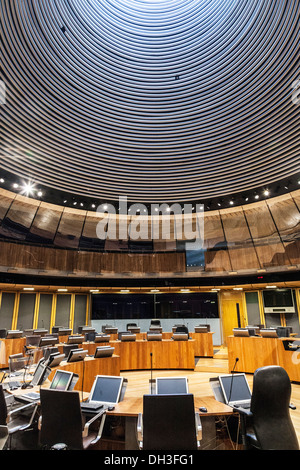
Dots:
{"x": 155, "y": 100}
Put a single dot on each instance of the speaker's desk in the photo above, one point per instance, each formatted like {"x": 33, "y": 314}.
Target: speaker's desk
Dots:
{"x": 164, "y": 354}
{"x": 252, "y": 351}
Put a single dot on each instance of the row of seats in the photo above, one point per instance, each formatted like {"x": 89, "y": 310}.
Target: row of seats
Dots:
{"x": 167, "y": 422}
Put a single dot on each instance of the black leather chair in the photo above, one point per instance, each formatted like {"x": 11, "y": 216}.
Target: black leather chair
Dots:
{"x": 62, "y": 425}
{"x": 268, "y": 425}
{"x": 169, "y": 422}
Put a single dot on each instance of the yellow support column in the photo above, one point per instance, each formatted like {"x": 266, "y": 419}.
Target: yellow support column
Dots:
{"x": 53, "y": 311}
{"x": 15, "y": 311}
{"x": 72, "y": 309}
{"x": 36, "y": 310}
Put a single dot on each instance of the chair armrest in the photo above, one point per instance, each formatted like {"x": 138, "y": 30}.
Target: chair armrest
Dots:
{"x": 139, "y": 429}
{"x": 101, "y": 414}
{"x": 243, "y": 411}
{"x": 21, "y": 408}
{"x": 198, "y": 427}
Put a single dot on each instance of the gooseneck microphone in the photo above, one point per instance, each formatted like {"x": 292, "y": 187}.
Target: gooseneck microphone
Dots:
{"x": 231, "y": 383}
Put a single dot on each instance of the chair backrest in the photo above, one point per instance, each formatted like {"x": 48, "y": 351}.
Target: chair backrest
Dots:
{"x": 169, "y": 422}
{"x": 270, "y": 401}
{"x": 61, "y": 419}
{"x": 3, "y": 407}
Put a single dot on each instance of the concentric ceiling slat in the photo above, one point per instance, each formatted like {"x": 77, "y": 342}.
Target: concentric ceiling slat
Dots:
{"x": 158, "y": 100}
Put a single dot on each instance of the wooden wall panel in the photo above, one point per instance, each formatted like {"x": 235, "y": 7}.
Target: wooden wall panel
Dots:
{"x": 45, "y": 223}
{"x": 215, "y": 245}
{"x": 70, "y": 228}
{"x": 286, "y": 216}
{"x": 19, "y": 217}
{"x": 269, "y": 247}
{"x": 240, "y": 245}
{"x": 46, "y": 258}
{"x": 6, "y": 198}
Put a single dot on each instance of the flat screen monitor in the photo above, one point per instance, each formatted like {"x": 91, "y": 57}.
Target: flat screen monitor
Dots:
{"x": 235, "y": 388}
{"x": 48, "y": 341}
{"x": 128, "y": 337}
{"x": 14, "y": 334}
{"x": 55, "y": 359}
{"x": 78, "y": 339}
{"x": 39, "y": 370}
{"x": 76, "y": 355}
{"x": 278, "y": 300}
{"x": 268, "y": 333}
{"x": 33, "y": 340}
{"x": 62, "y": 380}
{"x": 104, "y": 351}
{"x": 201, "y": 329}
{"x": 171, "y": 385}
{"x": 154, "y": 336}
{"x": 241, "y": 332}
{"x": 180, "y": 336}
{"x": 90, "y": 336}
{"x": 106, "y": 389}
{"x": 102, "y": 338}
{"x": 41, "y": 374}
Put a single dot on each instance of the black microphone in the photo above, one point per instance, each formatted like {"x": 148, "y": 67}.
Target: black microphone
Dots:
{"x": 236, "y": 361}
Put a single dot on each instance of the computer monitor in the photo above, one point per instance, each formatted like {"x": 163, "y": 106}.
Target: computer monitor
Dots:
{"x": 241, "y": 332}
{"x": 171, "y": 385}
{"x": 41, "y": 374}
{"x": 32, "y": 340}
{"x": 201, "y": 329}
{"x": 90, "y": 336}
{"x": 180, "y": 336}
{"x": 154, "y": 336}
{"x": 128, "y": 337}
{"x": 78, "y": 339}
{"x": 77, "y": 355}
{"x": 14, "y": 334}
{"x": 62, "y": 380}
{"x": 102, "y": 338}
{"x": 55, "y": 359}
{"x": 48, "y": 341}
{"x": 235, "y": 388}
{"x": 104, "y": 351}
{"x": 106, "y": 389}
{"x": 268, "y": 333}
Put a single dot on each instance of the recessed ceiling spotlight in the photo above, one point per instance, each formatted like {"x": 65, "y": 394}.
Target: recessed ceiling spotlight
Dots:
{"x": 256, "y": 196}
{"x": 231, "y": 203}
{"x": 28, "y": 189}
{"x": 40, "y": 194}
{"x": 1, "y": 180}
{"x": 15, "y": 185}
{"x": 266, "y": 192}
